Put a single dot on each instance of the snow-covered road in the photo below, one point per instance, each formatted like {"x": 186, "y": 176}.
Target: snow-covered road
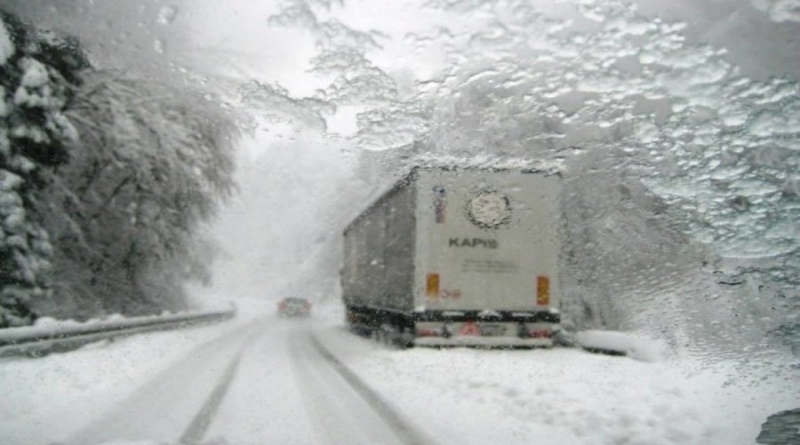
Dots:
{"x": 267, "y": 380}
{"x": 290, "y": 390}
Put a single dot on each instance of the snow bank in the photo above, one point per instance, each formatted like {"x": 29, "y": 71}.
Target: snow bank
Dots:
{"x": 568, "y": 396}
{"x": 623, "y": 343}
{"x": 48, "y": 399}
{"x": 48, "y": 327}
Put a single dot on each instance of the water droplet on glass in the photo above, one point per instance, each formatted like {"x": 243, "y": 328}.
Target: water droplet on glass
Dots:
{"x": 167, "y": 15}
{"x": 740, "y": 203}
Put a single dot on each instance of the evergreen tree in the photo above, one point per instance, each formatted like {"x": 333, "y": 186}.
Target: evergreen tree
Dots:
{"x": 38, "y": 71}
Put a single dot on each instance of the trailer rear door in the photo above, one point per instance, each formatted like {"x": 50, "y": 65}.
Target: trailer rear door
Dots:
{"x": 487, "y": 240}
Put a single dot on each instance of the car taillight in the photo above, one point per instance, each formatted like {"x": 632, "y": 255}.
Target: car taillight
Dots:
{"x": 540, "y": 334}
{"x": 282, "y": 305}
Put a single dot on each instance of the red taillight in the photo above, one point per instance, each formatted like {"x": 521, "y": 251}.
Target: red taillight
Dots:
{"x": 282, "y": 305}
{"x": 541, "y": 334}
{"x": 428, "y": 333}
{"x": 470, "y": 328}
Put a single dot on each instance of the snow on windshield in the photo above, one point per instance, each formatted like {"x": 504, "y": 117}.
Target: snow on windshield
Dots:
{"x": 674, "y": 126}
{"x": 681, "y": 169}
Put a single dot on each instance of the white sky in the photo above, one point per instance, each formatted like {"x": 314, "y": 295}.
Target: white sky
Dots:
{"x": 286, "y": 178}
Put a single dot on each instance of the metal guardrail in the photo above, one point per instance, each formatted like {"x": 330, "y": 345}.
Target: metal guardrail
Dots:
{"x": 40, "y": 340}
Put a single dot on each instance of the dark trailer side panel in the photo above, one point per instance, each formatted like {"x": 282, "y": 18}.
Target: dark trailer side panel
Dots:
{"x": 378, "y": 269}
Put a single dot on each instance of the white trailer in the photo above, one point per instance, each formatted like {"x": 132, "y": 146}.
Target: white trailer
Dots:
{"x": 450, "y": 257}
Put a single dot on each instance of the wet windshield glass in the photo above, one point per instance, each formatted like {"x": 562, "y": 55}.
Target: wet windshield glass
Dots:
{"x": 421, "y": 221}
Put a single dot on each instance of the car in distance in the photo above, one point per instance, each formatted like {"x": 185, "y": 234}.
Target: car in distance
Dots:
{"x": 294, "y": 307}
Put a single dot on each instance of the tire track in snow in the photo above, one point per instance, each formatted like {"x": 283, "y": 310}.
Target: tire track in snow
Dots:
{"x": 404, "y": 430}
{"x": 157, "y": 410}
{"x": 202, "y": 420}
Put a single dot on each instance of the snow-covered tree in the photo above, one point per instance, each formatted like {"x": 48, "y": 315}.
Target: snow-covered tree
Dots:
{"x": 37, "y": 73}
{"x": 151, "y": 163}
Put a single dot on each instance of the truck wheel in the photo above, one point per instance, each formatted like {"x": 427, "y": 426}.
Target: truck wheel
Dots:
{"x": 391, "y": 335}
{"x": 381, "y": 335}
{"x": 404, "y": 339}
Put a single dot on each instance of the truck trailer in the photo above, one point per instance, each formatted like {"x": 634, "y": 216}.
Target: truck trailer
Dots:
{"x": 457, "y": 257}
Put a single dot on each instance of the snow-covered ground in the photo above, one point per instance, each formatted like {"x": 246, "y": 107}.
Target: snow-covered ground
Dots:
{"x": 45, "y": 400}
{"x": 568, "y": 396}
{"x": 148, "y": 388}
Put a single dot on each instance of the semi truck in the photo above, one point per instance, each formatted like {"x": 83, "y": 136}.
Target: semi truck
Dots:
{"x": 457, "y": 257}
